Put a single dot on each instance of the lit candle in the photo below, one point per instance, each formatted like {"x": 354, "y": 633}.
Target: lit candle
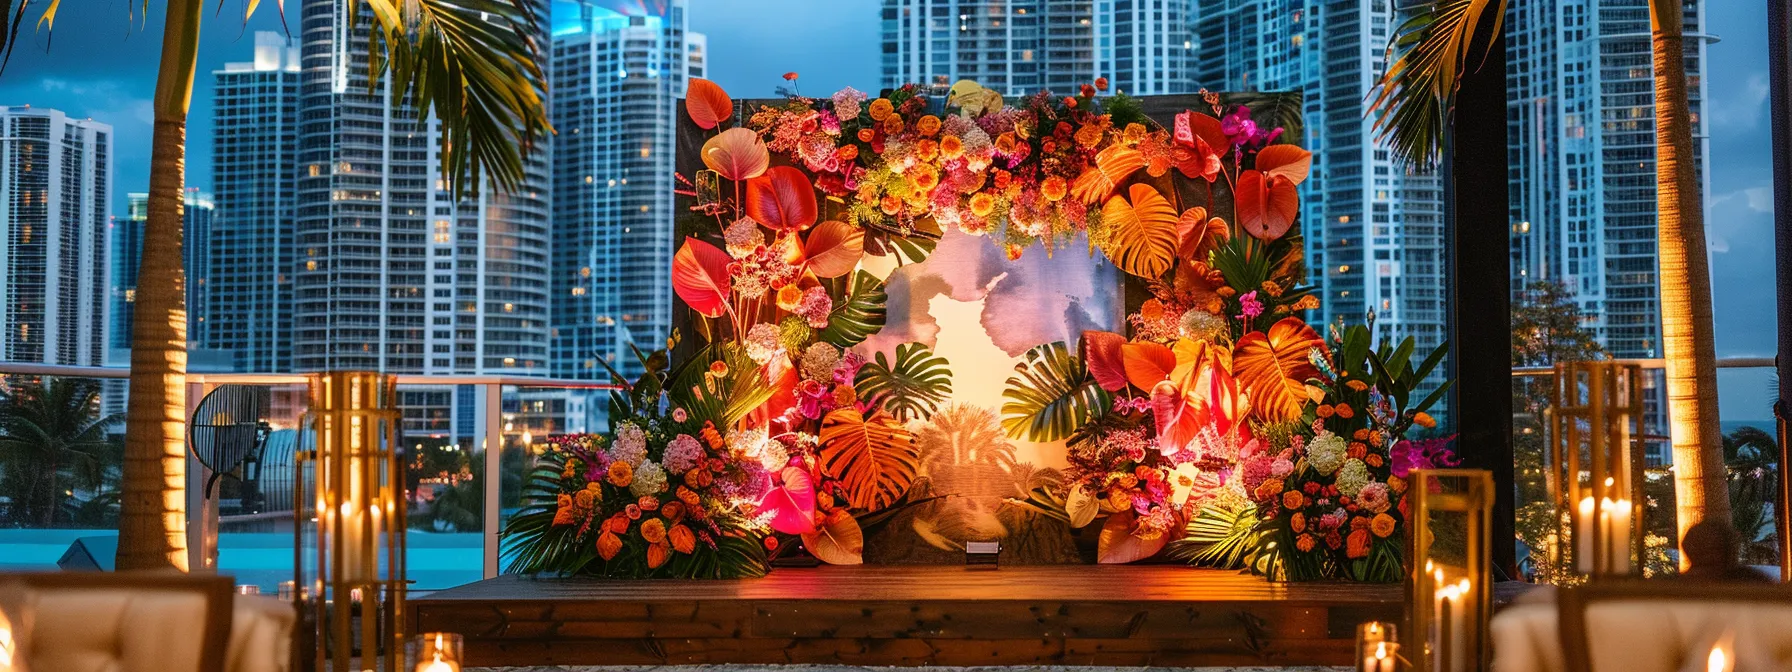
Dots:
{"x": 1718, "y": 661}
{"x": 1583, "y": 537}
{"x": 439, "y": 652}
{"x": 1382, "y": 660}
{"x": 1459, "y": 645}
{"x": 7, "y": 645}
{"x": 1618, "y": 536}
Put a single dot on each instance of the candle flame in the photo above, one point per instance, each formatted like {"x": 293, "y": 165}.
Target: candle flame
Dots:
{"x": 1718, "y": 661}
{"x": 1381, "y": 650}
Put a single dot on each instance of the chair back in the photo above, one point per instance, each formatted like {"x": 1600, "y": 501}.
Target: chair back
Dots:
{"x": 1669, "y": 626}
{"x": 128, "y": 621}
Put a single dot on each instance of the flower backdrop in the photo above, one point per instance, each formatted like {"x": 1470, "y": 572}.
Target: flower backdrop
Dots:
{"x": 1221, "y": 429}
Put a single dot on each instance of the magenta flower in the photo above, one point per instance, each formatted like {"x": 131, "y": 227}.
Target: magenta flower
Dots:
{"x": 1250, "y": 305}
{"x": 1426, "y": 454}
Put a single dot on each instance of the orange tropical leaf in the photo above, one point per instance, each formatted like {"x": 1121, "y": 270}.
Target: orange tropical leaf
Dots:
{"x": 1142, "y": 233}
{"x": 1118, "y": 545}
{"x": 1112, "y": 166}
{"x": 1288, "y": 161}
{"x": 1101, "y": 353}
{"x": 1267, "y": 204}
{"x": 1147, "y": 363}
{"x": 736, "y": 154}
{"x": 837, "y": 541}
{"x": 1197, "y": 234}
{"x": 700, "y": 277}
{"x": 875, "y": 458}
{"x": 706, "y": 103}
{"x": 782, "y": 198}
{"x": 1273, "y": 367}
{"x": 834, "y": 248}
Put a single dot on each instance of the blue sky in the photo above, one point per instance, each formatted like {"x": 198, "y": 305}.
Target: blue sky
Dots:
{"x": 99, "y": 65}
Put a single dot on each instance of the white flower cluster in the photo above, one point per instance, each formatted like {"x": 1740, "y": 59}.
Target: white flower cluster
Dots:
{"x": 682, "y": 454}
{"x": 650, "y": 479}
{"x": 819, "y": 361}
{"x": 1326, "y": 452}
{"x": 630, "y": 444}
{"x": 1352, "y": 477}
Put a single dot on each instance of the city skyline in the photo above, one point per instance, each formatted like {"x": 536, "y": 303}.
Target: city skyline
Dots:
{"x": 1739, "y": 199}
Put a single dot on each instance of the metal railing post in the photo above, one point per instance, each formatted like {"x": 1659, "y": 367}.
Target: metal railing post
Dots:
{"x": 493, "y": 438}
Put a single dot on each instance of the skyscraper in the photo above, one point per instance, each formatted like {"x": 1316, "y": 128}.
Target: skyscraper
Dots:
{"x": 1581, "y": 118}
{"x": 247, "y": 302}
{"x": 617, "y": 72}
{"x": 126, "y": 257}
{"x": 1373, "y": 227}
{"x": 394, "y": 273}
{"x": 55, "y": 209}
{"x": 1019, "y": 47}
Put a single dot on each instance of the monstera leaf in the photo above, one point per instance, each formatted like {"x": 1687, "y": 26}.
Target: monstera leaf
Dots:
{"x": 1051, "y": 395}
{"x": 913, "y": 387}
{"x": 1142, "y": 236}
{"x": 700, "y": 277}
{"x": 1118, "y": 545}
{"x": 1112, "y": 166}
{"x": 1273, "y": 367}
{"x": 838, "y": 540}
{"x": 860, "y": 315}
{"x": 875, "y": 458}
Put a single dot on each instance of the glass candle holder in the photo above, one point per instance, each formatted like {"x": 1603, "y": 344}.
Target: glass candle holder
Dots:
{"x": 1383, "y": 657}
{"x": 1369, "y": 637}
{"x": 439, "y": 652}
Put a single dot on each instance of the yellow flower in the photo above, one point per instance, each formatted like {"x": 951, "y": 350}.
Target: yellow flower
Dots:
{"x": 789, "y": 297}
{"x": 1382, "y": 525}
{"x": 1054, "y": 188}
{"x": 982, "y": 204}
{"x": 928, "y": 125}
{"x": 881, "y": 108}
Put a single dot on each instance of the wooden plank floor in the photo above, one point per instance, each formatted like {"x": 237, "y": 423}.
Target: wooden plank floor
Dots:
{"x": 912, "y": 615}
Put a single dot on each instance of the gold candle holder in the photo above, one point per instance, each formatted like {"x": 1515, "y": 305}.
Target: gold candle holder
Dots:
{"x": 1448, "y": 600}
{"x": 355, "y": 523}
{"x": 1596, "y": 466}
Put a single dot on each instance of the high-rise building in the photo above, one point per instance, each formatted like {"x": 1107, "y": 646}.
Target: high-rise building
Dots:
{"x": 1581, "y": 119}
{"x": 246, "y": 299}
{"x": 617, "y": 74}
{"x": 55, "y": 209}
{"x": 126, "y": 258}
{"x": 394, "y": 272}
{"x": 1020, "y": 47}
{"x": 1373, "y": 227}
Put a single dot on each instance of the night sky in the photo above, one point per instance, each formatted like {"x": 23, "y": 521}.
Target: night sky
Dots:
{"x": 103, "y": 66}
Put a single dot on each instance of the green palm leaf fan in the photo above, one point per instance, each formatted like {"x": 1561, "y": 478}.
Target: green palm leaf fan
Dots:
{"x": 1427, "y": 56}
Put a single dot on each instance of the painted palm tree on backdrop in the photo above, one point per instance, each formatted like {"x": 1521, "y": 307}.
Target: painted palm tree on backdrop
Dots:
{"x": 471, "y": 64}
{"x": 1442, "y": 39}
{"x": 52, "y": 440}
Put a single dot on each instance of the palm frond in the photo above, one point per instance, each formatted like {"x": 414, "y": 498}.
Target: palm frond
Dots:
{"x": 1427, "y": 56}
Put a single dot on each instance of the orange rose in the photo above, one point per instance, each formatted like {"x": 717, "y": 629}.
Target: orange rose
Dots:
{"x": 893, "y": 124}
{"x": 1305, "y": 543}
{"x": 621, "y": 474}
{"x": 682, "y": 539}
{"x": 1344, "y": 411}
{"x": 951, "y": 147}
{"x": 982, "y": 204}
{"x": 847, "y": 153}
{"x": 1382, "y": 525}
{"x": 1357, "y": 546}
{"x": 653, "y": 530}
{"x": 608, "y": 545}
{"x": 1293, "y": 499}
{"x": 867, "y": 135}
{"x": 789, "y": 297}
{"x": 881, "y": 108}
{"x": 890, "y": 205}
{"x": 1298, "y": 522}
{"x": 928, "y": 125}
{"x": 658, "y": 554}
{"x": 1054, "y": 188}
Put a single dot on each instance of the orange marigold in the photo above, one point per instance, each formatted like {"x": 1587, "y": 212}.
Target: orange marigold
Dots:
{"x": 928, "y": 150}
{"x": 621, "y": 474}
{"x": 924, "y": 178}
{"x": 653, "y": 530}
{"x": 1397, "y": 484}
{"x": 1293, "y": 499}
{"x": 845, "y": 395}
{"x": 890, "y": 205}
{"x": 789, "y": 297}
{"x": 893, "y": 124}
{"x": 1360, "y": 434}
{"x": 1356, "y": 450}
{"x": 1382, "y": 525}
{"x": 951, "y": 147}
{"x": 1054, "y": 188}
{"x": 608, "y": 545}
{"x": 1344, "y": 411}
{"x": 658, "y": 554}
{"x": 982, "y": 204}
{"x": 1373, "y": 459}
{"x": 847, "y": 153}
{"x": 1305, "y": 543}
{"x": 682, "y": 539}
{"x": 1298, "y": 522}
{"x": 928, "y": 125}
{"x": 1357, "y": 546}
{"x": 881, "y": 108}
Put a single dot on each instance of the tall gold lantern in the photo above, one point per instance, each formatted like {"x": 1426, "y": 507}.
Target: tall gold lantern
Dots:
{"x": 354, "y": 526}
{"x": 1596, "y": 465}
{"x": 1449, "y": 595}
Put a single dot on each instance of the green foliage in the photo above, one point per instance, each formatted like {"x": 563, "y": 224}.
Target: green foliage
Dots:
{"x": 1222, "y": 539}
{"x": 1051, "y": 394}
{"x": 52, "y": 441}
{"x": 1397, "y": 377}
{"x": 860, "y": 315}
{"x": 914, "y": 387}
{"x": 1123, "y": 109}
{"x": 1438, "y": 41}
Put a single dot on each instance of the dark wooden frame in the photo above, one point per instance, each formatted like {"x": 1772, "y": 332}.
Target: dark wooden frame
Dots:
{"x": 219, "y": 593}
{"x": 1779, "y": 57}
{"x": 1572, "y": 604}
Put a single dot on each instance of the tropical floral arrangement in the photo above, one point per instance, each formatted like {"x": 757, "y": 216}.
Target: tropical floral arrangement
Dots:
{"x": 1222, "y": 427}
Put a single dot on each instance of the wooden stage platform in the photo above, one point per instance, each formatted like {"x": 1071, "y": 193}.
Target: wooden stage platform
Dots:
{"x": 1161, "y": 615}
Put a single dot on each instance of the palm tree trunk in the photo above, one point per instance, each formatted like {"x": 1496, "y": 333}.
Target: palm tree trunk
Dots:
{"x": 1699, "y": 484}
{"x": 152, "y": 505}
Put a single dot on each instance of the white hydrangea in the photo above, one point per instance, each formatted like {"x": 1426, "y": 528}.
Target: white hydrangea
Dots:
{"x": 682, "y": 454}
{"x": 650, "y": 479}
{"x": 630, "y": 444}
{"x": 773, "y": 456}
{"x": 1352, "y": 477}
{"x": 819, "y": 360}
{"x": 1325, "y": 453}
